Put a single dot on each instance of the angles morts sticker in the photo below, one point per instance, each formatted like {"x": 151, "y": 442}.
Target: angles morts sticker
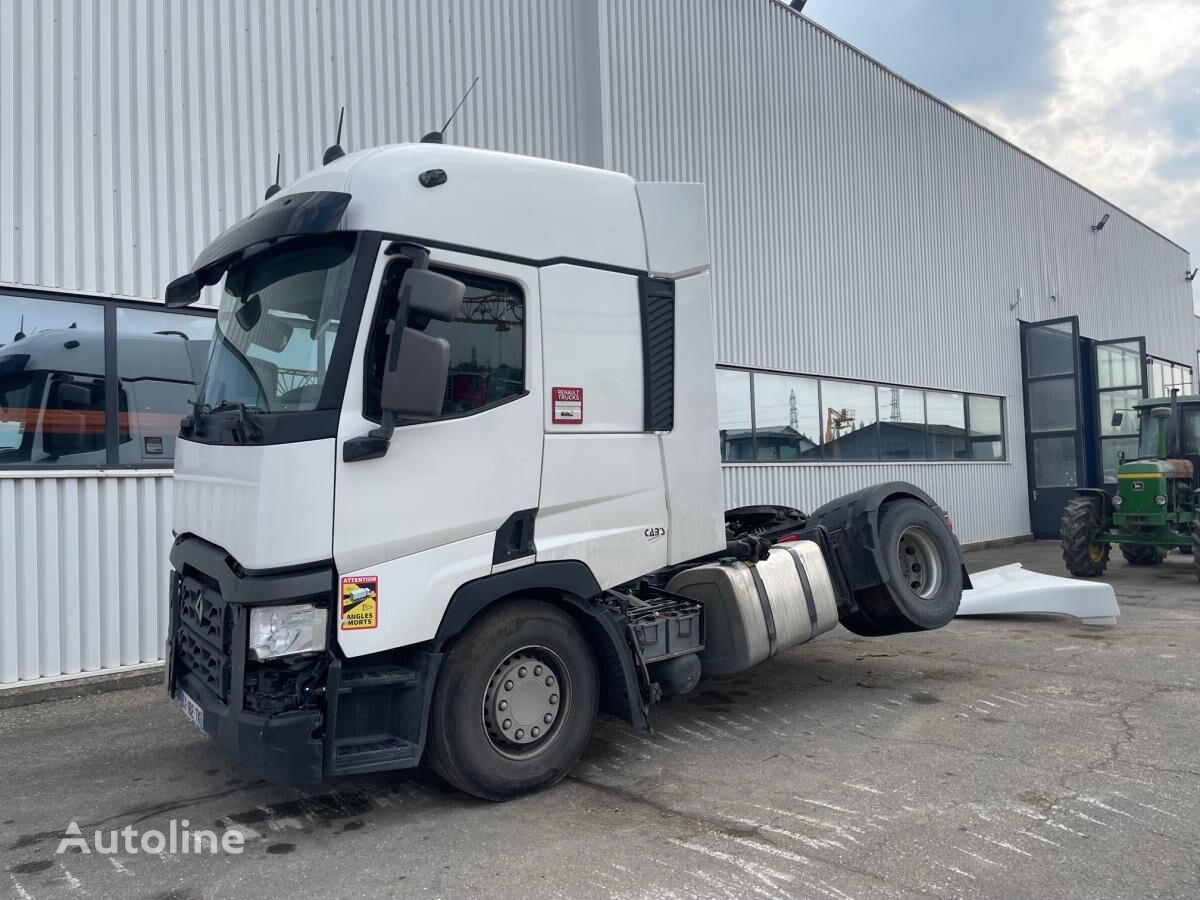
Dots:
{"x": 360, "y": 602}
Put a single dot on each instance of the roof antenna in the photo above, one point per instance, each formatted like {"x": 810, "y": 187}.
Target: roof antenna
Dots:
{"x": 438, "y": 137}
{"x": 274, "y": 188}
{"x": 335, "y": 151}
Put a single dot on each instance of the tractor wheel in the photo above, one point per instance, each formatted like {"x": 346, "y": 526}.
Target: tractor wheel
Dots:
{"x": 1196, "y": 548}
{"x": 1186, "y": 551}
{"x": 1143, "y": 554}
{"x": 1081, "y": 517}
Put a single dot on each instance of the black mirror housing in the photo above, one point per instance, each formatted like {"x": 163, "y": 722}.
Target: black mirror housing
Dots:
{"x": 183, "y": 291}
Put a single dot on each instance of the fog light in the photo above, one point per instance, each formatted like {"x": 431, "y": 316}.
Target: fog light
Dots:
{"x": 286, "y": 630}
{"x": 1117, "y": 501}
{"x": 1160, "y": 500}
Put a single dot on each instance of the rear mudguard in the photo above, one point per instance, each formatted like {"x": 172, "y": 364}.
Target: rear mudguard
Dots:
{"x": 851, "y": 523}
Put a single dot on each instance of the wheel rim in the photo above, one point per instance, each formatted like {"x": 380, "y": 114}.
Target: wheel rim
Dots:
{"x": 920, "y": 563}
{"x": 525, "y": 702}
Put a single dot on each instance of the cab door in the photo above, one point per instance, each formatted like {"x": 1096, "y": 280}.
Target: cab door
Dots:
{"x": 423, "y": 519}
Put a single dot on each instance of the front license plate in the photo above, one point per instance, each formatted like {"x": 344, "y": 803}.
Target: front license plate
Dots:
{"x": 193, "y": 710}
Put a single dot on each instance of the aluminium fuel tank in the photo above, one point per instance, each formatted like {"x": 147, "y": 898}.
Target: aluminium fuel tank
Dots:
{"x": 754, "y": 610}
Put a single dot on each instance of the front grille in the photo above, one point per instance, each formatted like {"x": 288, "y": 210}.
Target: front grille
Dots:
{"x": 203, "y": 637}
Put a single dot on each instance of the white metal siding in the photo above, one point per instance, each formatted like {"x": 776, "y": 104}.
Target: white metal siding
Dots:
{"x": 859, "y": 227}
{"x": 83, "y": 573}
{"x": 136, "y": 130}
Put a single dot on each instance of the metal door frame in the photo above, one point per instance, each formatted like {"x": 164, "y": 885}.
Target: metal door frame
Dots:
{"x": 1030, "y": 470}
{"x": 1098, "y": 454}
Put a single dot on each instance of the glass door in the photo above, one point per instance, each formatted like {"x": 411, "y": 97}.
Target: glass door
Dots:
{"x": 1120, "y": 367}
{"x": 1051, "y": 362}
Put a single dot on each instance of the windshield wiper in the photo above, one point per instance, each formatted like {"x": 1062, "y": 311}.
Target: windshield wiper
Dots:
{"x": 249, "y": 428}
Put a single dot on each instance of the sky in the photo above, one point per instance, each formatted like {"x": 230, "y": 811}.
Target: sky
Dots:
{"x": 1107, "y": 92}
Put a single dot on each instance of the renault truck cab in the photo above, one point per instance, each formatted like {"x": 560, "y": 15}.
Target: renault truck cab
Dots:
{"x": 456, "y": 437}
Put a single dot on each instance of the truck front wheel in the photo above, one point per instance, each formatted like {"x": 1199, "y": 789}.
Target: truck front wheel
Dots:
{"x": 1081, "y": 518}
{"x": 515, "y": 702}
{"x": 1143, "y": 554}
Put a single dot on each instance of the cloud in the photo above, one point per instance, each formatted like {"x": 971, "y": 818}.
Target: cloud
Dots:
{"x": 1122, "y": 113}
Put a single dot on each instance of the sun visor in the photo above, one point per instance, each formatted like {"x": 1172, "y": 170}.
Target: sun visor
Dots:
{"x": 290, "y": 215}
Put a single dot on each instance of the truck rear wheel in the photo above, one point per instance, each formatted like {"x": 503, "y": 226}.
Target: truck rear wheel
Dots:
{"x": 1143, "y": 554}
{"x": 515, "y": 702}
{"x": 924, "y": 574}
{"x": 1081, "y": 517}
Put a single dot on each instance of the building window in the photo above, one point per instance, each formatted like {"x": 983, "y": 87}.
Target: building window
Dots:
{"x": 61, "y": 405}
{"x": 160, "y": 359}
{"x": 487, "y": 347}
{"x": 901, "y": 423}
{"x": 786, "y": 421}
{"x": 772, "y": 417}
{"x": 986, "y": 418}
{"x": 849, "y": 412}
{"x": 1165, "y": 376}
{"x": 947, "y": 425}
{"x": 735, "y": 424}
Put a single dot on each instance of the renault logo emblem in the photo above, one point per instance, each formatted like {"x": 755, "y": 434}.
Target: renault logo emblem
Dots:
{"x": 199, "y": 606}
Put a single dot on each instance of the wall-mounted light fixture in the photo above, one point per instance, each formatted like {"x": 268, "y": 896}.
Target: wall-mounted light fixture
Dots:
{"x": 1190, "y": 276}
{"x": 798, "y": 5}
{"x": 1100, "y": 225}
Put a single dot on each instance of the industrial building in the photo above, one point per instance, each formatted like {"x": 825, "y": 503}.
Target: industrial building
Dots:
{"x": 900, "y": 293}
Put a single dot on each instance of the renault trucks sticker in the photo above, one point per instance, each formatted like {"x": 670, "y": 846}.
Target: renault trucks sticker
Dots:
{"x": 360, "y": 602}
{"x": 568, "y": 406}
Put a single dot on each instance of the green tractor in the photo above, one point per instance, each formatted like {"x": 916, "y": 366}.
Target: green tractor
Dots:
{"x": 1157, "y": 503}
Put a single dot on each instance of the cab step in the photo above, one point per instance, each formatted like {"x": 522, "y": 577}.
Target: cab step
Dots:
{"x": 376, "y": 677}
{"x": 370, "y": 753}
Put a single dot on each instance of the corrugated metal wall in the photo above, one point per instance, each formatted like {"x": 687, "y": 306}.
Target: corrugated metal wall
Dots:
{"x": 863, "y": 229}
{"x": 136, "y": 130}
{"x": 859, "y": 227}
{"x": 83, "y": 572}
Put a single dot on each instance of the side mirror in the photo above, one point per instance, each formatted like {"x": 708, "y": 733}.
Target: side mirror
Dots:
{"x": 430, "y": 295}
{"x": 414, "y": 389}
{"x": 68, "y": 395}
{"x": 417, "y": 365}
{"x": 183, "y": 291}
{"x": 1118, "y": 419}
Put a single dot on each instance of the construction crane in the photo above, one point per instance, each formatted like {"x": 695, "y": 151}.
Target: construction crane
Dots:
{"x": 837, "y": 421}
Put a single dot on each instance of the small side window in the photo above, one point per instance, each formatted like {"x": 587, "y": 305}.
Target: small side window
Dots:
{"x": 487, "y": 344}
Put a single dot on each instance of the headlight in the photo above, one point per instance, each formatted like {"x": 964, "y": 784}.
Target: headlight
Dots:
{"x": 1117, "y": 501}
{"x": 285, "y": 630}
{"x": 1160, "y": 500}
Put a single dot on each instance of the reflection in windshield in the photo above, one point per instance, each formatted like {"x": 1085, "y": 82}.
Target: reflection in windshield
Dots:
{"x": 277, "y": 324}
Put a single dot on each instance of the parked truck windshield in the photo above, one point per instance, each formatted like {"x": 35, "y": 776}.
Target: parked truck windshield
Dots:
{"x": 277, "y": 325}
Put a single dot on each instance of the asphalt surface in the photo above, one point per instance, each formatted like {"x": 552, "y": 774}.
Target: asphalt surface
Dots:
{"x": 1000, "y": 757}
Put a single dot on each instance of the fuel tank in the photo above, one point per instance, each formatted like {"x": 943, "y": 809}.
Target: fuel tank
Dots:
{"x": 754, "y": 610}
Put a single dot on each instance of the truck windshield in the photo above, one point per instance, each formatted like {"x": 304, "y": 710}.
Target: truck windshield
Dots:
{"x": 277, "y": 325}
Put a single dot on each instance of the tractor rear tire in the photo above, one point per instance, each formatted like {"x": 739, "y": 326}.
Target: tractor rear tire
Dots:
{"x": 1083, "y": 558}
{"x": 1196, "y": 548}
{"x": 1143, "y": 554}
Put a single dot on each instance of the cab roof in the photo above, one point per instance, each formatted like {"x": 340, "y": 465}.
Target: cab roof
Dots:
{"x": 521, "y": 206}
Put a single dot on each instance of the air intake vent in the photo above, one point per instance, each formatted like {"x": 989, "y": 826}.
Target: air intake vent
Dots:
{"x": 658, "y": 351}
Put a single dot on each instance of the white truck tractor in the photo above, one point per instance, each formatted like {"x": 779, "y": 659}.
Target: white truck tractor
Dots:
{"x": 452, "y": 483}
